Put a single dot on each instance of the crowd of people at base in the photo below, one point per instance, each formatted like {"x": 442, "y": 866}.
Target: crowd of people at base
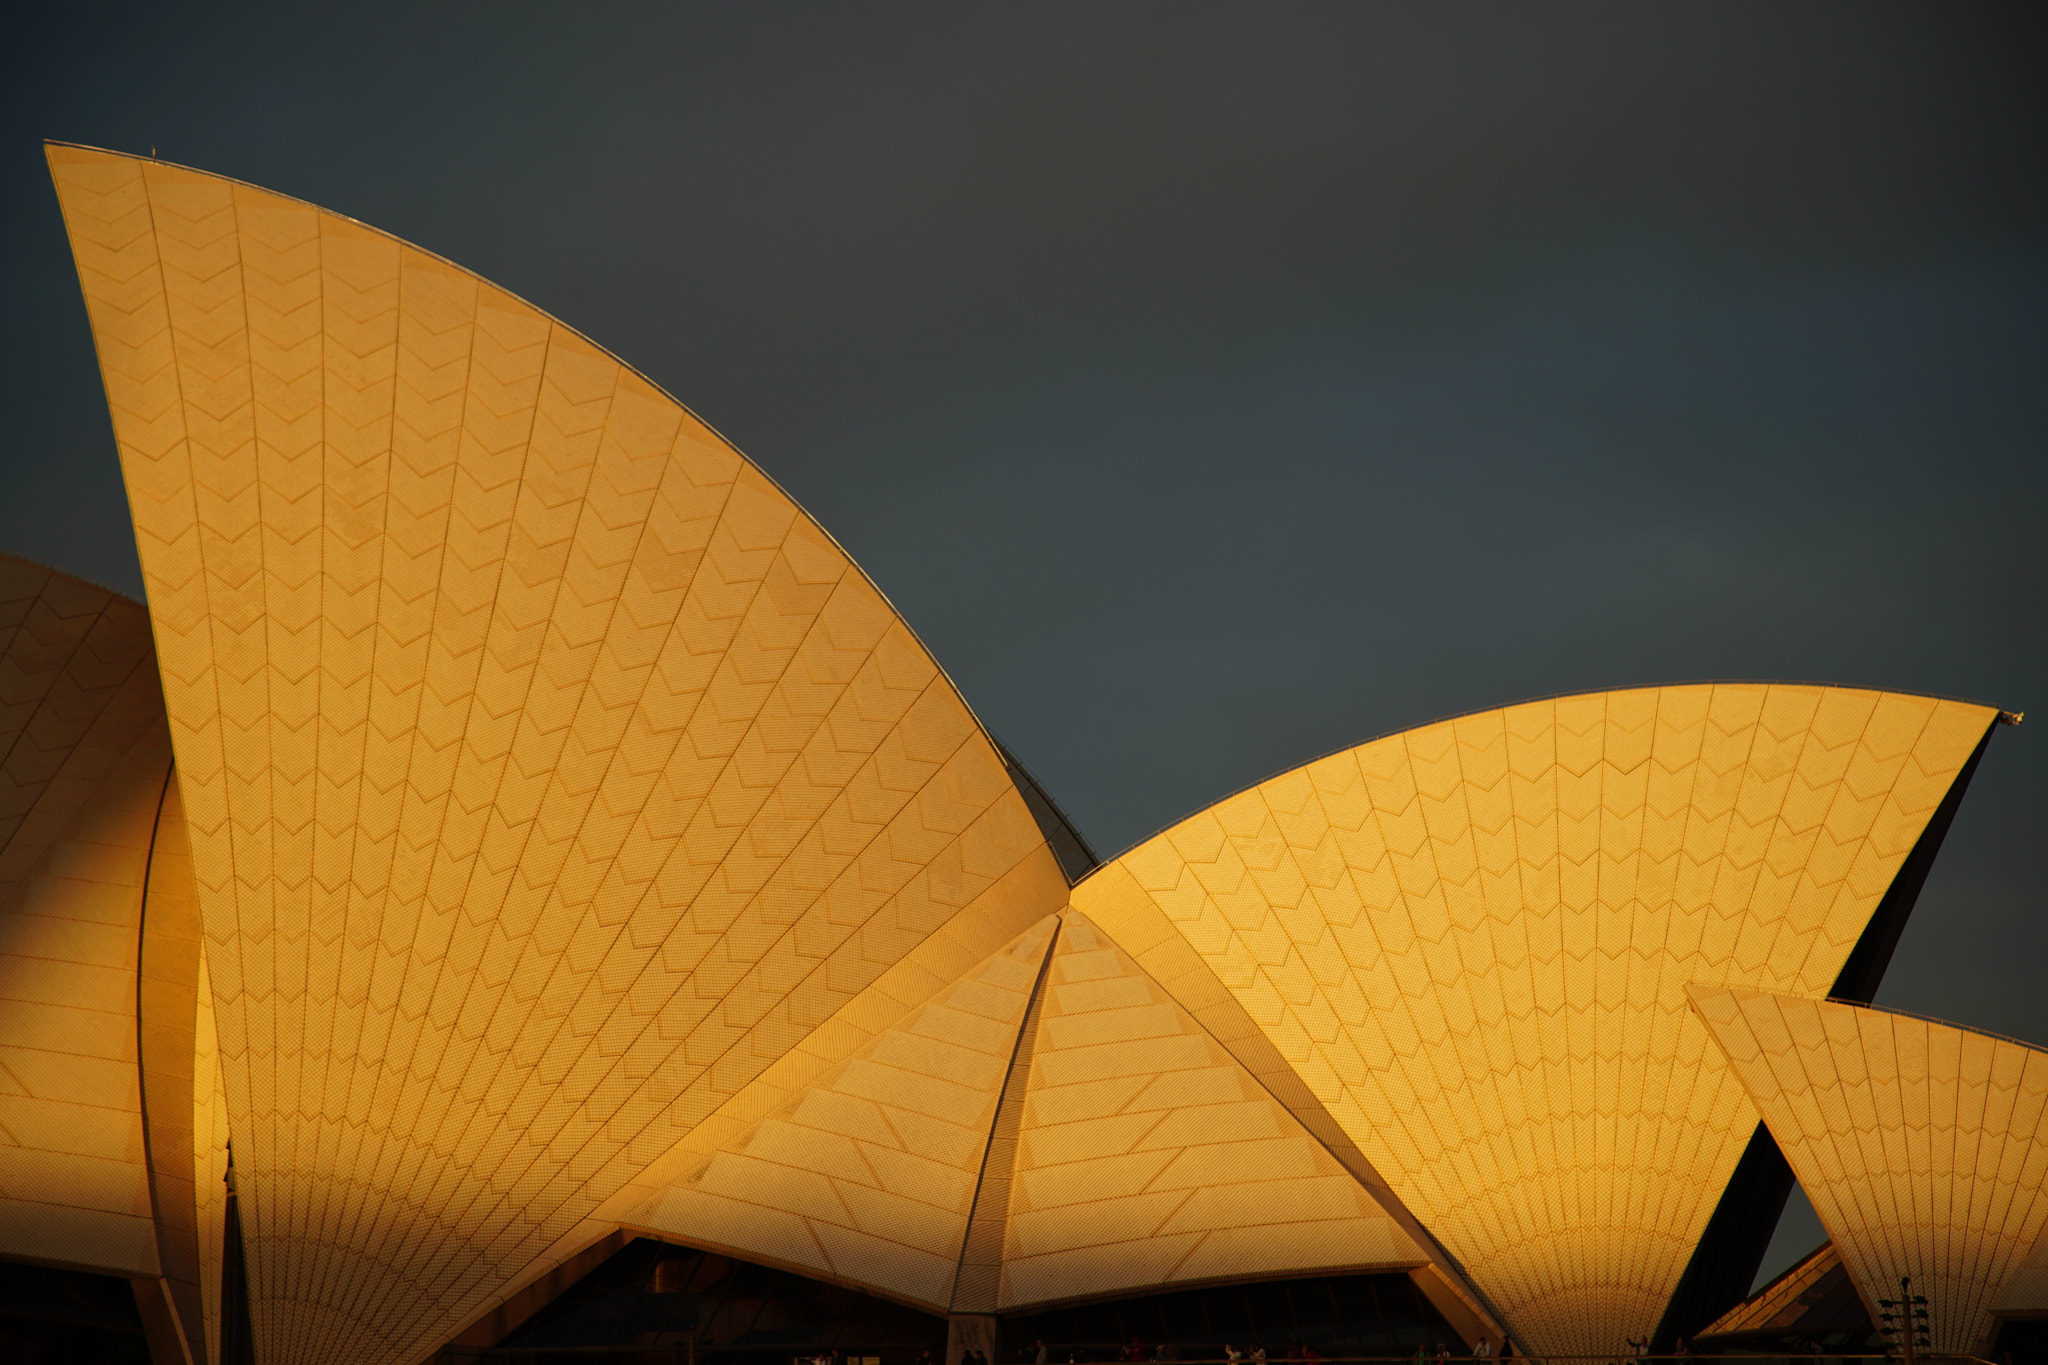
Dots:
{"x": 1136, "y": 1352}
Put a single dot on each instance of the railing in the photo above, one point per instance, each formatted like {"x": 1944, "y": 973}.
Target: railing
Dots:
{"x": 1200, "y": 1356}
{"x": 1094, "y": 1355}
{"x": 1102, "y": 1354}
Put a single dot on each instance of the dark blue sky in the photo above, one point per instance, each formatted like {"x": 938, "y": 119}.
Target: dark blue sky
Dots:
{"x": 1216, "y": 386}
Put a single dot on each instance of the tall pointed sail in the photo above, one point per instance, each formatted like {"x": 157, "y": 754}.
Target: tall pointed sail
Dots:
{"x": 549, "y": 773}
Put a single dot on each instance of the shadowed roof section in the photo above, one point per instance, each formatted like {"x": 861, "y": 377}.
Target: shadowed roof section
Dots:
{"x": 1471, "y": 941}
{"x": 548, "y": 772}
{"x": 69, "y": 651}
{"x": 106, "y": 1162}
{"x": 2026, "y": 1294}
{"x": 1077, "y": 857}
{"x": 1923, "y": 1146}
{"x": 83, "y": 759}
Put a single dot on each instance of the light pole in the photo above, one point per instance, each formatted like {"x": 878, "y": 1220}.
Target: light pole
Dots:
{"x": 1909, "y": 1312}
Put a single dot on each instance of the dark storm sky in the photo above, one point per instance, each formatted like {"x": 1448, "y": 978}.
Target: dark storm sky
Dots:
{"x": 1216, "y": 386}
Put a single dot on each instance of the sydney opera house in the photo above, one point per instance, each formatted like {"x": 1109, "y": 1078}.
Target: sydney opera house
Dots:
{"x": 517, "y": 892}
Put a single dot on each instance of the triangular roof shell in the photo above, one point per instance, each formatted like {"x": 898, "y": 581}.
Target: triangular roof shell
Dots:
{"x": 868, "y": 1173}
{"x": 1923, "y": 1146}
{"x": 1148, "y": 1155}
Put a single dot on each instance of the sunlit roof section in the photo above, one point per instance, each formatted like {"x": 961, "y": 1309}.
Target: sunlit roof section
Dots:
{"x": 1472, "y": 941}
{"x": 1924, "y": 1147}
{"x": 548, "y": 772}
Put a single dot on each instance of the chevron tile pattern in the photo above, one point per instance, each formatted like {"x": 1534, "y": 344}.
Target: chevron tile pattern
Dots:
{"x": 1924, "y": 1147}
{"x": 549, "y": 774}
{"x": 1472, "y": 941}
{"x": 1149, "y": 1155}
